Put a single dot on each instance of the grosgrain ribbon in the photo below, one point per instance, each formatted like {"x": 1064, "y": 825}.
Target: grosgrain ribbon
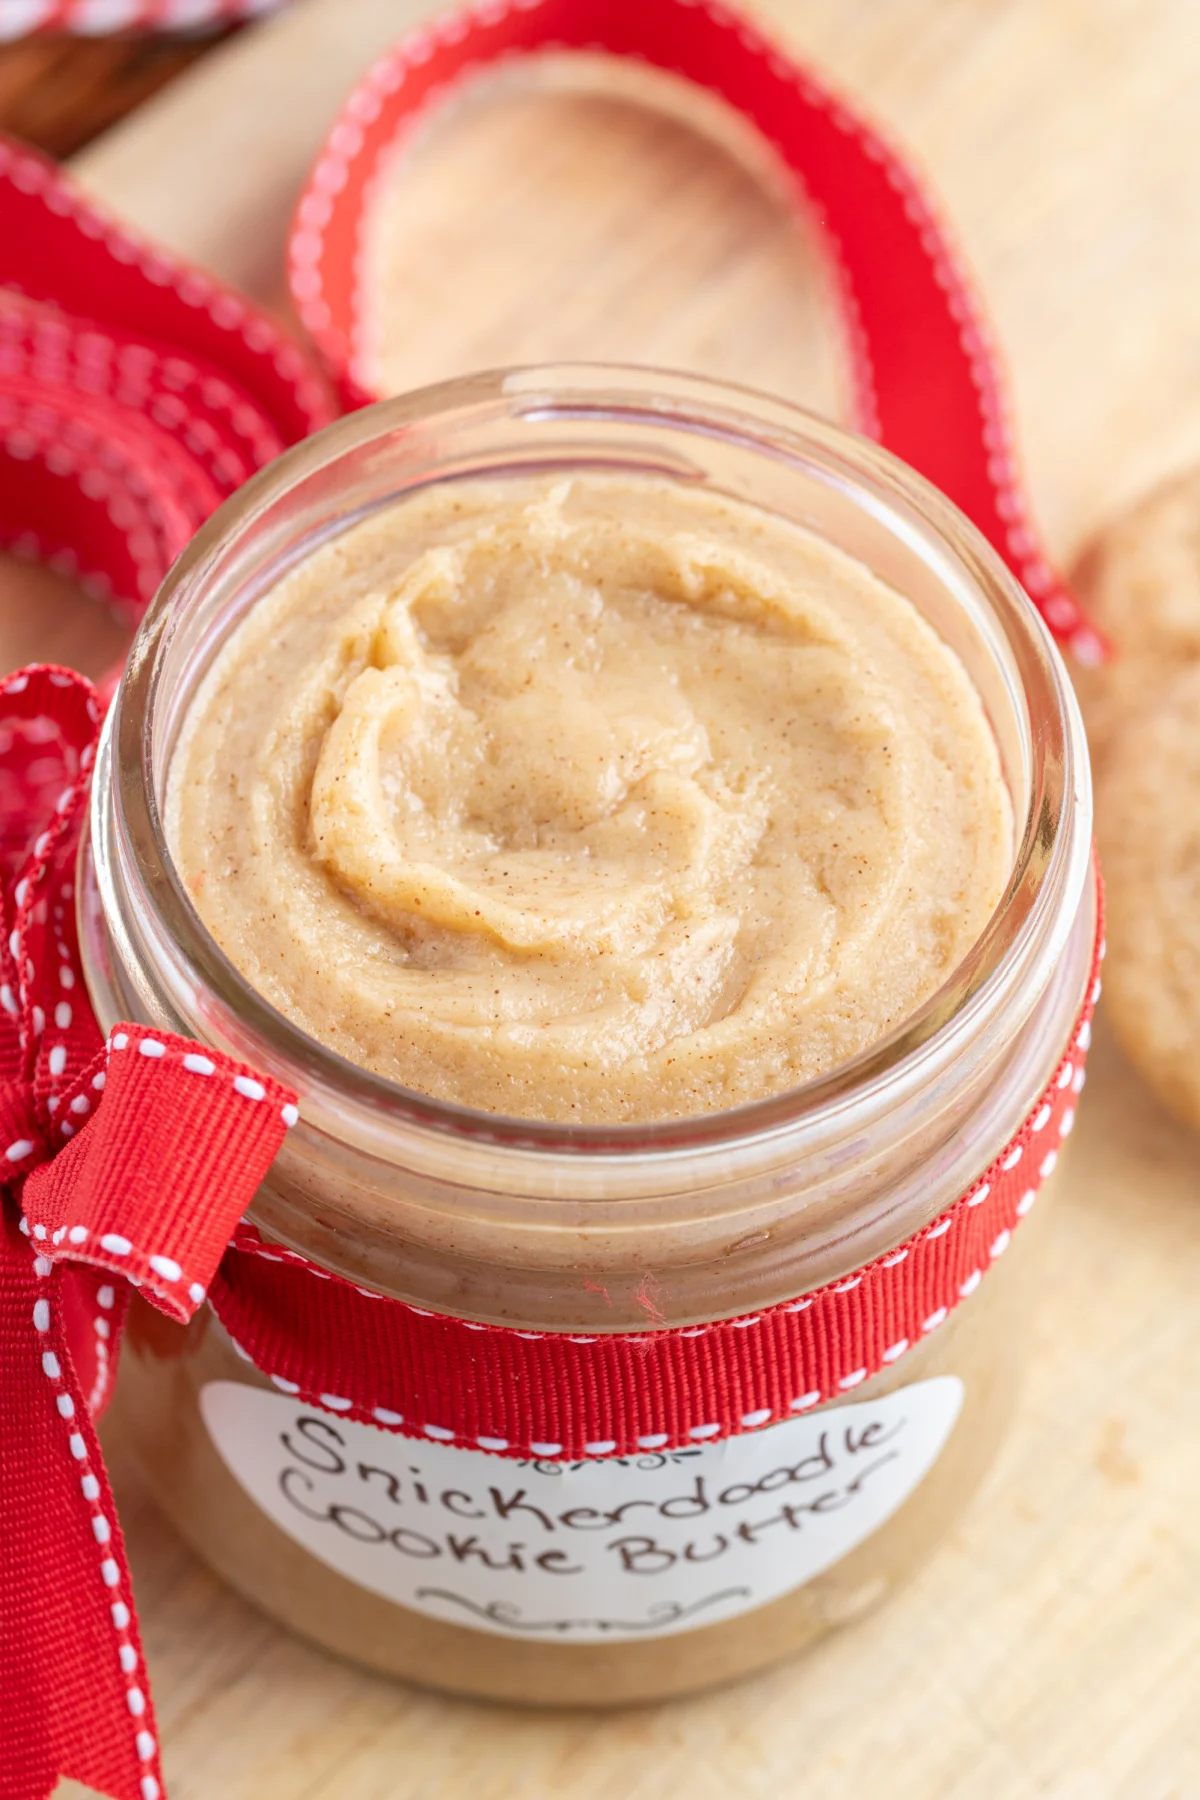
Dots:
{"x": 575, "y": 1396}
{"x": 927, "y": 380}
{"x": 134, "y": 1160}
{"x": 134, "y": 394}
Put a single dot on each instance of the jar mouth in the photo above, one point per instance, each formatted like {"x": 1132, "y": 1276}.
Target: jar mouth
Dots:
{"x": 616, "y": 419}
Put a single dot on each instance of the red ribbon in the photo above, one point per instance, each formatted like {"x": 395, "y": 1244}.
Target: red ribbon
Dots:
{"x": 570, "y": 1396}
{"x": 130, "y": 1161}
{"x": 134, "y": 394}
{"x": 927, "y": 373}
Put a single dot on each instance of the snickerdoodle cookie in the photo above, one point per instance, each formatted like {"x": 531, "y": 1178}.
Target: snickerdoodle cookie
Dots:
{"x": 1140, "y": 582}
{"x": 1149, "y": 825}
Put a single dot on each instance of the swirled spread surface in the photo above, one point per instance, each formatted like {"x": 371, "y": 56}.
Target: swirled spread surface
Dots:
{"x": 595, "y": 801}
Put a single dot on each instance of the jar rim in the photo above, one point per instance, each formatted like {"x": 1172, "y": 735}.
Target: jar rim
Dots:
{"x": 1049, "y": 864}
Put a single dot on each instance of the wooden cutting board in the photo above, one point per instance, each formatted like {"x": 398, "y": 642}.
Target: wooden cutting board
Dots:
{"x": 1052, "y": 1648}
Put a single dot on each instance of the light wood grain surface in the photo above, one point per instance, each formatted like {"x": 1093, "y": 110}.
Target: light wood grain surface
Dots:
{"x": 1052, "y": 1648}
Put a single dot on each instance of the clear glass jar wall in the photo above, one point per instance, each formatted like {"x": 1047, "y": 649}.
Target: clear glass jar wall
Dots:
{"x": 518, "y": 1223}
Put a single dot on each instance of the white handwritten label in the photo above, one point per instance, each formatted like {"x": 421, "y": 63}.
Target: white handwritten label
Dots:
{"x": 600, "y": 1551}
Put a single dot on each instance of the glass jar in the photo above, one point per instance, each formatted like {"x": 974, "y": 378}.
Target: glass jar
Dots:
{"x": 555, "y": 1227}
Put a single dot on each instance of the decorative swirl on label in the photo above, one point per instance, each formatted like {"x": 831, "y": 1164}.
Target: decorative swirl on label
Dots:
{"x": 658, "y": 1617}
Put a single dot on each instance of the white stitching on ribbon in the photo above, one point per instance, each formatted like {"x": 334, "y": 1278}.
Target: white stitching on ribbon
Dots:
{"x": 168, "y": 1273}
{"x": 109, "y": 1569}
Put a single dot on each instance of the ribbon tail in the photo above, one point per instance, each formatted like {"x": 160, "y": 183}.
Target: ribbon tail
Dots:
{"x": 73, "y": 1688}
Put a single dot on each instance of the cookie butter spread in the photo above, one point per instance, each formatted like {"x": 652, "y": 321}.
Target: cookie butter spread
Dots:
{"x": 597, "y": 800}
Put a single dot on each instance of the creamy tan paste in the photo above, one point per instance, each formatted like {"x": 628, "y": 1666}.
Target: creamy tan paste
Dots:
{"x": 594, "y": 801}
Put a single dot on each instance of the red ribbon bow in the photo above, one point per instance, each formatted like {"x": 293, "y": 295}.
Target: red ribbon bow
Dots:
{"x": 135, "y": 394}
{"x": 134, "y": 1159}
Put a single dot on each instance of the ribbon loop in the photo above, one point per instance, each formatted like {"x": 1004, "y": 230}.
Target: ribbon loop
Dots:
{"x": 926, "y": 373}
{"x": 164, "y": 1143}
{"x": 136, "y": 393}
